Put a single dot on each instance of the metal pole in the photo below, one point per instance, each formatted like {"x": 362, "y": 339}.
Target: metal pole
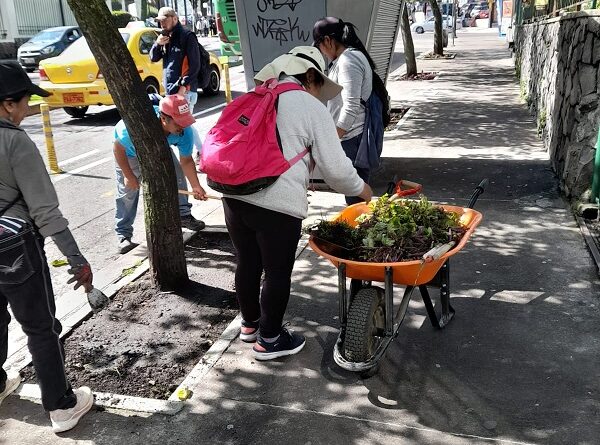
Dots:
{"x": 185, "y": 12}
{"x": 47, "y": 126}
{"x": 227, "y": 82}
{"x": 62, "y": 12}
{"x": 596, "y": 174}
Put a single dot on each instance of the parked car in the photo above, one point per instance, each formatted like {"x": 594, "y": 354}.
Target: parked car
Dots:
{"x": 48, "y": 43}
{"x": 477, "y": 13}
{"x": 429, "y": 23}
{"x": 75, "y": 81}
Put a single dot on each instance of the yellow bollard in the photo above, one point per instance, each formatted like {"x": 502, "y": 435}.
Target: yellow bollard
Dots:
{"x": 227, "y": 82}
{"x": 51, "y": 152}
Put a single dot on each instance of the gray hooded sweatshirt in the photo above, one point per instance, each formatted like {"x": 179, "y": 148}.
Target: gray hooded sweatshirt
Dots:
{"x": 22, "y": 171}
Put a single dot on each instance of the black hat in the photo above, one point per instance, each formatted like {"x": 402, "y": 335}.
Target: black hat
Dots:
{"x": 328, "y": 26}
{"x": 14, "y": 80}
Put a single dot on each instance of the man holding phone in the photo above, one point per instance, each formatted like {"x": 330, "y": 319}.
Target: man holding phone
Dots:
{"x": 180, "y": 52}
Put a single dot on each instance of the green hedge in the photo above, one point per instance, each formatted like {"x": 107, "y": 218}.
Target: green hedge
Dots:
{"x": 121, "y": 18}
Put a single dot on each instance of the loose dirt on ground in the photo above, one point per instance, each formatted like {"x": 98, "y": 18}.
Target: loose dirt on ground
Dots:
{"x": 395, "y": 116}
{"x": 418, "y": 76}
{"x": 146, "y": 341}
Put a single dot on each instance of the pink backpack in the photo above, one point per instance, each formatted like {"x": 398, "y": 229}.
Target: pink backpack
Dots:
{"x": 241, "y": 153}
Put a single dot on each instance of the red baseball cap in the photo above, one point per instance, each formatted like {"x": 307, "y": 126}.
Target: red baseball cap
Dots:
{"x": 178, "y": 109}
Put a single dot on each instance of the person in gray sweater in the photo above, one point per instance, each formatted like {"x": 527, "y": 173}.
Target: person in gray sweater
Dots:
{"x": 352, "y": 68}
{"x": 265, "y": 226}
{"x": 28, "y": 214}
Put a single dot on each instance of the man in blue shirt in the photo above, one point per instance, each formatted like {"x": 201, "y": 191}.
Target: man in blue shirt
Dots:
{"x": 176, "y": 120}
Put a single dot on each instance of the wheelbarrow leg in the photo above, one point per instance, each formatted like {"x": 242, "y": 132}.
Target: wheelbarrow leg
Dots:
{"x": 343, "y": 295}
{"x": 447, "y": 309}
{"x": 389, "y": 301}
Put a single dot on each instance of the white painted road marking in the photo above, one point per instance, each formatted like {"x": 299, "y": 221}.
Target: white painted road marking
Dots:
{"x": 82, "y": 169}
{"x": 77, "y": 158}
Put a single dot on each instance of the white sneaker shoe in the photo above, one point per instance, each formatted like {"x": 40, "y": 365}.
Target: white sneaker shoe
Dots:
{"x": 65, "y": 419}
{"x": 12, "y": 383}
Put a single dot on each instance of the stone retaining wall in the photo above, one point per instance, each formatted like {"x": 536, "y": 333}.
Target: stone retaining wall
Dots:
{"x": 557, "y": 61}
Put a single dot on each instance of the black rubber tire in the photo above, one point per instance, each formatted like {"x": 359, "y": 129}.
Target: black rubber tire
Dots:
{"x": 366, "y": 317}
{"x": 76, "y": 112}
{"x": 419, "y": 30}
{"x": 214, "y": 83}
{"x": 151, "y": 85}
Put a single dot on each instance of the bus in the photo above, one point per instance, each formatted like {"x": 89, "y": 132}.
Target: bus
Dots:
{"x": 227, "y": 28}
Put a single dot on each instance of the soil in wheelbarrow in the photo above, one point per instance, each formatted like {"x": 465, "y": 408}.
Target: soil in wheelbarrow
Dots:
{"x": 146, "y": 341}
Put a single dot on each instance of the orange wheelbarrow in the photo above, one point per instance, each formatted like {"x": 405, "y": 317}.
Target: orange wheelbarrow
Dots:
{"x": 366, "y": 312}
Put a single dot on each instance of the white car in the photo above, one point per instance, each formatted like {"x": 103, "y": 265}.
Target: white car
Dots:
{"x": 429, "y": 23}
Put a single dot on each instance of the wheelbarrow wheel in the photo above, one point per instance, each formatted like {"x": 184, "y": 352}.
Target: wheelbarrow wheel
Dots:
{"x": 366, "y": 322}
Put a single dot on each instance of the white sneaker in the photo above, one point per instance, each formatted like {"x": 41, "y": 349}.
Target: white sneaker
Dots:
{"x": 12, "y": 383}
{"x": 65, "y": 419}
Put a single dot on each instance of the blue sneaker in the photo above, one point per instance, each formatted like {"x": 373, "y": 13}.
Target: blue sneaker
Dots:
{"x": 288, "y": 343}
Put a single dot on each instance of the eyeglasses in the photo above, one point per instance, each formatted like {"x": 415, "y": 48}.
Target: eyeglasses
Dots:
{"x": 320, "y": 40}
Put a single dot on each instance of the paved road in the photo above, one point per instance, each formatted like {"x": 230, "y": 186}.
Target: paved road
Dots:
{"x": 86, "y": 191}
{"x": 84, "y": 150}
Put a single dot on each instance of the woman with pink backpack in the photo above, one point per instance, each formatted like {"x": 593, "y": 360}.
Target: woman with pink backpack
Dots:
{"x": 264, "y": 213}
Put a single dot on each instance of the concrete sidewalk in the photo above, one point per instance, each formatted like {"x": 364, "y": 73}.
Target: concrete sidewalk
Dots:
{"x": 519, "y": 362}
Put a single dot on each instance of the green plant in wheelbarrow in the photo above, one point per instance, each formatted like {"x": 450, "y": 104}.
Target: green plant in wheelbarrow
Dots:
{"x": 395, "y": 230}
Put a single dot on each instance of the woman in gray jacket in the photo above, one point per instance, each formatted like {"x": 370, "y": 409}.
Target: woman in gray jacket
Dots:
{"x": 352, "y": 68}
{"x": 29, "y": 213}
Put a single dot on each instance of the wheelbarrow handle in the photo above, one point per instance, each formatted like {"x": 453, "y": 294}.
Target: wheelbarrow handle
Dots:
{"x": 478, "y": 191}
{"x": 187, "y": 192}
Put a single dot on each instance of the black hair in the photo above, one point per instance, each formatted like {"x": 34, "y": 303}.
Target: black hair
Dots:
{"x": 303, "y": 78}
{"x": 342, "y": 32}
{"x": 16, "y": 97}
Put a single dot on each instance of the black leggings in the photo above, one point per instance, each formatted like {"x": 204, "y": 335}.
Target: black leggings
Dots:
{"x": 264, "y": 240}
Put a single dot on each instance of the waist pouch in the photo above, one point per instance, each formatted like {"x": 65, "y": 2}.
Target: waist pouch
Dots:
{"x": 15, "y": 263}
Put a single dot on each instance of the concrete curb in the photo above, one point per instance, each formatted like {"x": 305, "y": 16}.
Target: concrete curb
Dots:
{"x": 169, "y": 407}
{"x": 587, "y": 236}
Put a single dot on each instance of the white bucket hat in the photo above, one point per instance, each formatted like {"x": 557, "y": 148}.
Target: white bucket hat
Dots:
{"x": 298, "y": 61}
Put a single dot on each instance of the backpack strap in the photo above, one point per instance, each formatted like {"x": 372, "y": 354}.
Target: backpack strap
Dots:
{"x": 284, "y": 87}
{"x": 297, "y": 158}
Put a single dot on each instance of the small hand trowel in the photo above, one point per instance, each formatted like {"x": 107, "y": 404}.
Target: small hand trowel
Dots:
{"x": 96, "y": 298}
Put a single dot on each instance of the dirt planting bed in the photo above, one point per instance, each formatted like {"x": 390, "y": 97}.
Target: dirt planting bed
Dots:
{"x": 419, "y": 76}
{"x": 395, "y": 116}
{"x": 146, "y": 341}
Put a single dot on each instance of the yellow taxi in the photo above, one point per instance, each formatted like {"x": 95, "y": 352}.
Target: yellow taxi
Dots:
{"x": 75, "y": 81}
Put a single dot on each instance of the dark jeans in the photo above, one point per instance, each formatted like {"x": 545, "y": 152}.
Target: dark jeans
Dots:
{"x": 351, "y": 149}
{"x": 264, "y": 240}
{"x": 25, "y": 285}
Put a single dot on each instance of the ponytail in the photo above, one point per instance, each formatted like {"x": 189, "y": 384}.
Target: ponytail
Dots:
{"x": 348, "y": 37}
{"x": 342, "y": 32}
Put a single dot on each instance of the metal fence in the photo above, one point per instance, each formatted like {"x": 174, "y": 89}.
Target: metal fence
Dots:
{"x": 539, "y": 9}
{"x": 31, "y": 19}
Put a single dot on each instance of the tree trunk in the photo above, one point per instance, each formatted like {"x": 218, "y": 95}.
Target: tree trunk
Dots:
{"x": 143, "y": 10}
{"x": 438, "y": 37}
{"x": 163, "y": 225}
{"x": 409, "y": 47}
{"x": 492, "y": 9}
